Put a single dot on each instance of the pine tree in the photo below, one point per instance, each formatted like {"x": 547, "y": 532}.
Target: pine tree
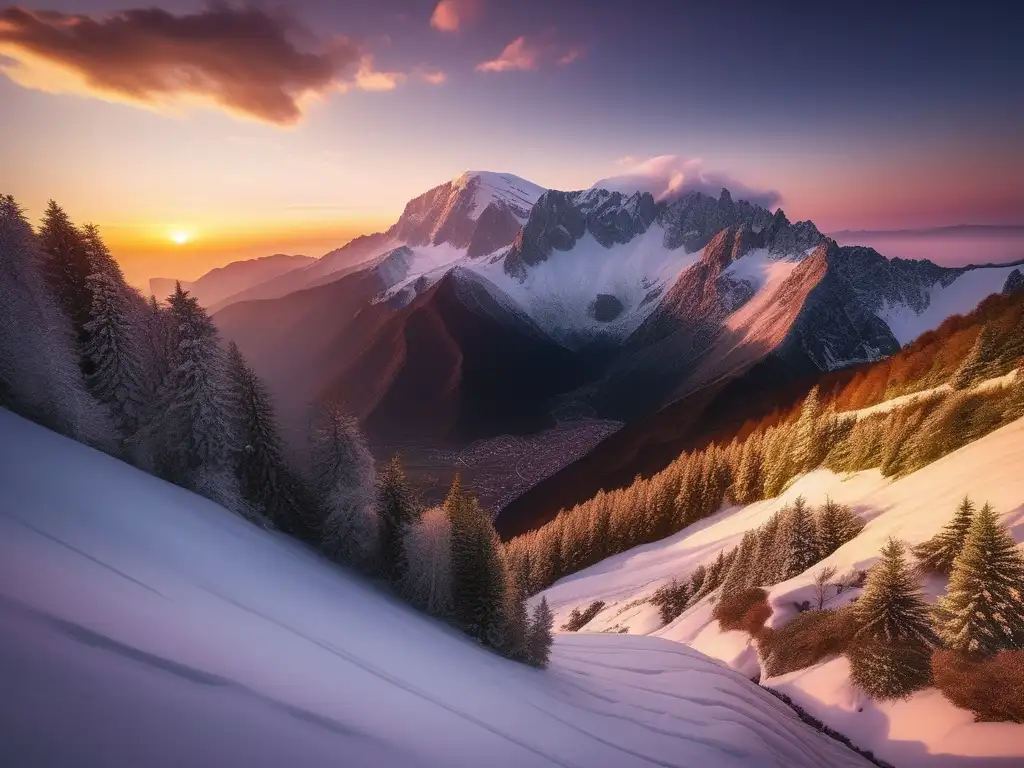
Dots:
{"x": 343, "y": 476}
{"x": 898, "y": 455}
{"x": 697, "y": 579}
{"x": 891, "y": 654}
{"x": 835, "y": 525}
{"x": 540, "y": 638}
{"x": 266, "y": 481}
{"x": 749, "y": 484}
{"x": 979, "y": 363}
{"x": 67, "y": 267}
{"x": 712, "y": 577}
{"x": 809, "y": 445}
{"x": 479, "y": 577}
{"x": 738, "y": 576}
{"x": 427, "y": 579}
{"x": 40, "y": 376}
{"x": 939, "y": 552}
{"x": 113, "y": 349}
{"x": 765, "y": 570}
{"x": 398, "y": 510}
{"x": 195, "y": 425}
{"x": 983, "y": 610}
{"x": 800, "y": 542}
{"x": 947, "y": 428}
{"x": 779, "y": 467}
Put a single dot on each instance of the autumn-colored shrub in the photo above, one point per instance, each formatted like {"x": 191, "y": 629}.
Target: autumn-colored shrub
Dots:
{"x": 746, "y": 610}
{"x": 990, "y": 688}
{"x": 809, "y": 638}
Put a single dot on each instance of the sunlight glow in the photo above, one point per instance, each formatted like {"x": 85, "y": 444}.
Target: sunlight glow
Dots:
{"x": 180, "y": 238}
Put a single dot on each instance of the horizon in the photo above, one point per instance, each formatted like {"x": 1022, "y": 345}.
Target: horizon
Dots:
{"x": 207, "y": 134}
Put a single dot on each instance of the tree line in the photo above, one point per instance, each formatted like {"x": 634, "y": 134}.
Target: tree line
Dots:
{"x": 760, "y": 466}
{"x": 152, "y": 383}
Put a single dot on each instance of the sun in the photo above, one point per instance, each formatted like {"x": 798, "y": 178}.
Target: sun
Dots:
{"x": 180, "y": 238}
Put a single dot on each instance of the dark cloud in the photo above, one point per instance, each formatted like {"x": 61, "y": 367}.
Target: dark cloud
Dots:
{"x": 245, "y": 60}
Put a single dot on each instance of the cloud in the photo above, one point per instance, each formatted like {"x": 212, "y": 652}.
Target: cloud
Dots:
{"x": 246, "y": 61}
{"x": 525, "y": 53}
{"x": 431, "y": 76}
{"x": 670, "y": 176}
{"x": 451, "y": 15}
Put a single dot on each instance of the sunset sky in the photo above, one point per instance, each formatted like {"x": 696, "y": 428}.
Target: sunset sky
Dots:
{"x": 244, "y": 130}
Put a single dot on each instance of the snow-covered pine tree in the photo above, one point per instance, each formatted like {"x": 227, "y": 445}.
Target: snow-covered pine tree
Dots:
{"x": 266, "y": 481}
{"x": 809, "y": 444}
{"x": 979, "y": 363}
{"x": 40, "y": 377}
{"x": 540, "y": 637}
{"x": 479, "y": 578}
{"x": 344, "y": 479}
{"x": 113, "y": 348}
{"x": 195, "y": 426}
{"x": 765, "y": 569}
{"x": 890, "y": 657}
{"x": 66, "y": 267}
{"x": 983, "y": 609}
{"x": 697, "y": 579}
{"x": 427, "y": 579}
{"x": 398, "y": 510}
{"x": 799, "y": 549}
{"x": 938, "y": 553}
{"x": 835, "y": 525}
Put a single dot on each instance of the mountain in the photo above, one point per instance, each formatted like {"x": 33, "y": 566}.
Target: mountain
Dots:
{"x": 601, "y": 302}
{"x": 221, "y": 283}
{"x": 130, "y": 600}
{"x": 472, "y": 215}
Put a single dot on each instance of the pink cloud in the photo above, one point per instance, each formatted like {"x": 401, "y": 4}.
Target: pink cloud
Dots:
{"x": 431, "y": 76}
{"x": 525, "y": 53}
{"x": 451, "y": 15}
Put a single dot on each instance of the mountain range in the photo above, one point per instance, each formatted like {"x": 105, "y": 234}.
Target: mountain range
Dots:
{"x": 492, "y": 304}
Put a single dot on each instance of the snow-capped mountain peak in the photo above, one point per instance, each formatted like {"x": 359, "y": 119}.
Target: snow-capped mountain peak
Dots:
{"x": 487, "y": 187}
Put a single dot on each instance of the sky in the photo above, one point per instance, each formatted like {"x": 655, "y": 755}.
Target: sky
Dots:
{"x": 196, "y": 133}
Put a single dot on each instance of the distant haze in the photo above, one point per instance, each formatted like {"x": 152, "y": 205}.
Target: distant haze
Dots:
{"x": 952, "y": 247}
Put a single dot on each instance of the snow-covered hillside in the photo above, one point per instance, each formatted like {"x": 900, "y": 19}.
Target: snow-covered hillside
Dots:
{"x": 925, "y": 730}
{"x": 143, "y": 625}
{"x": 943, "y": 300}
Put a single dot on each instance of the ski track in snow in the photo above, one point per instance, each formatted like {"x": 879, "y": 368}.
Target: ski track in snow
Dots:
{"x": 127, "y": 601}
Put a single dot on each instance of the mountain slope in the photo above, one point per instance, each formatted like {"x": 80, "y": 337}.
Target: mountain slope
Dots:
{"x": 221, "y": 283}
{"x": 472, "y": 215}
{"x": 127, "y": 600}
{"x": 925, "y": 731}
{"x": 459, "y": 362}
